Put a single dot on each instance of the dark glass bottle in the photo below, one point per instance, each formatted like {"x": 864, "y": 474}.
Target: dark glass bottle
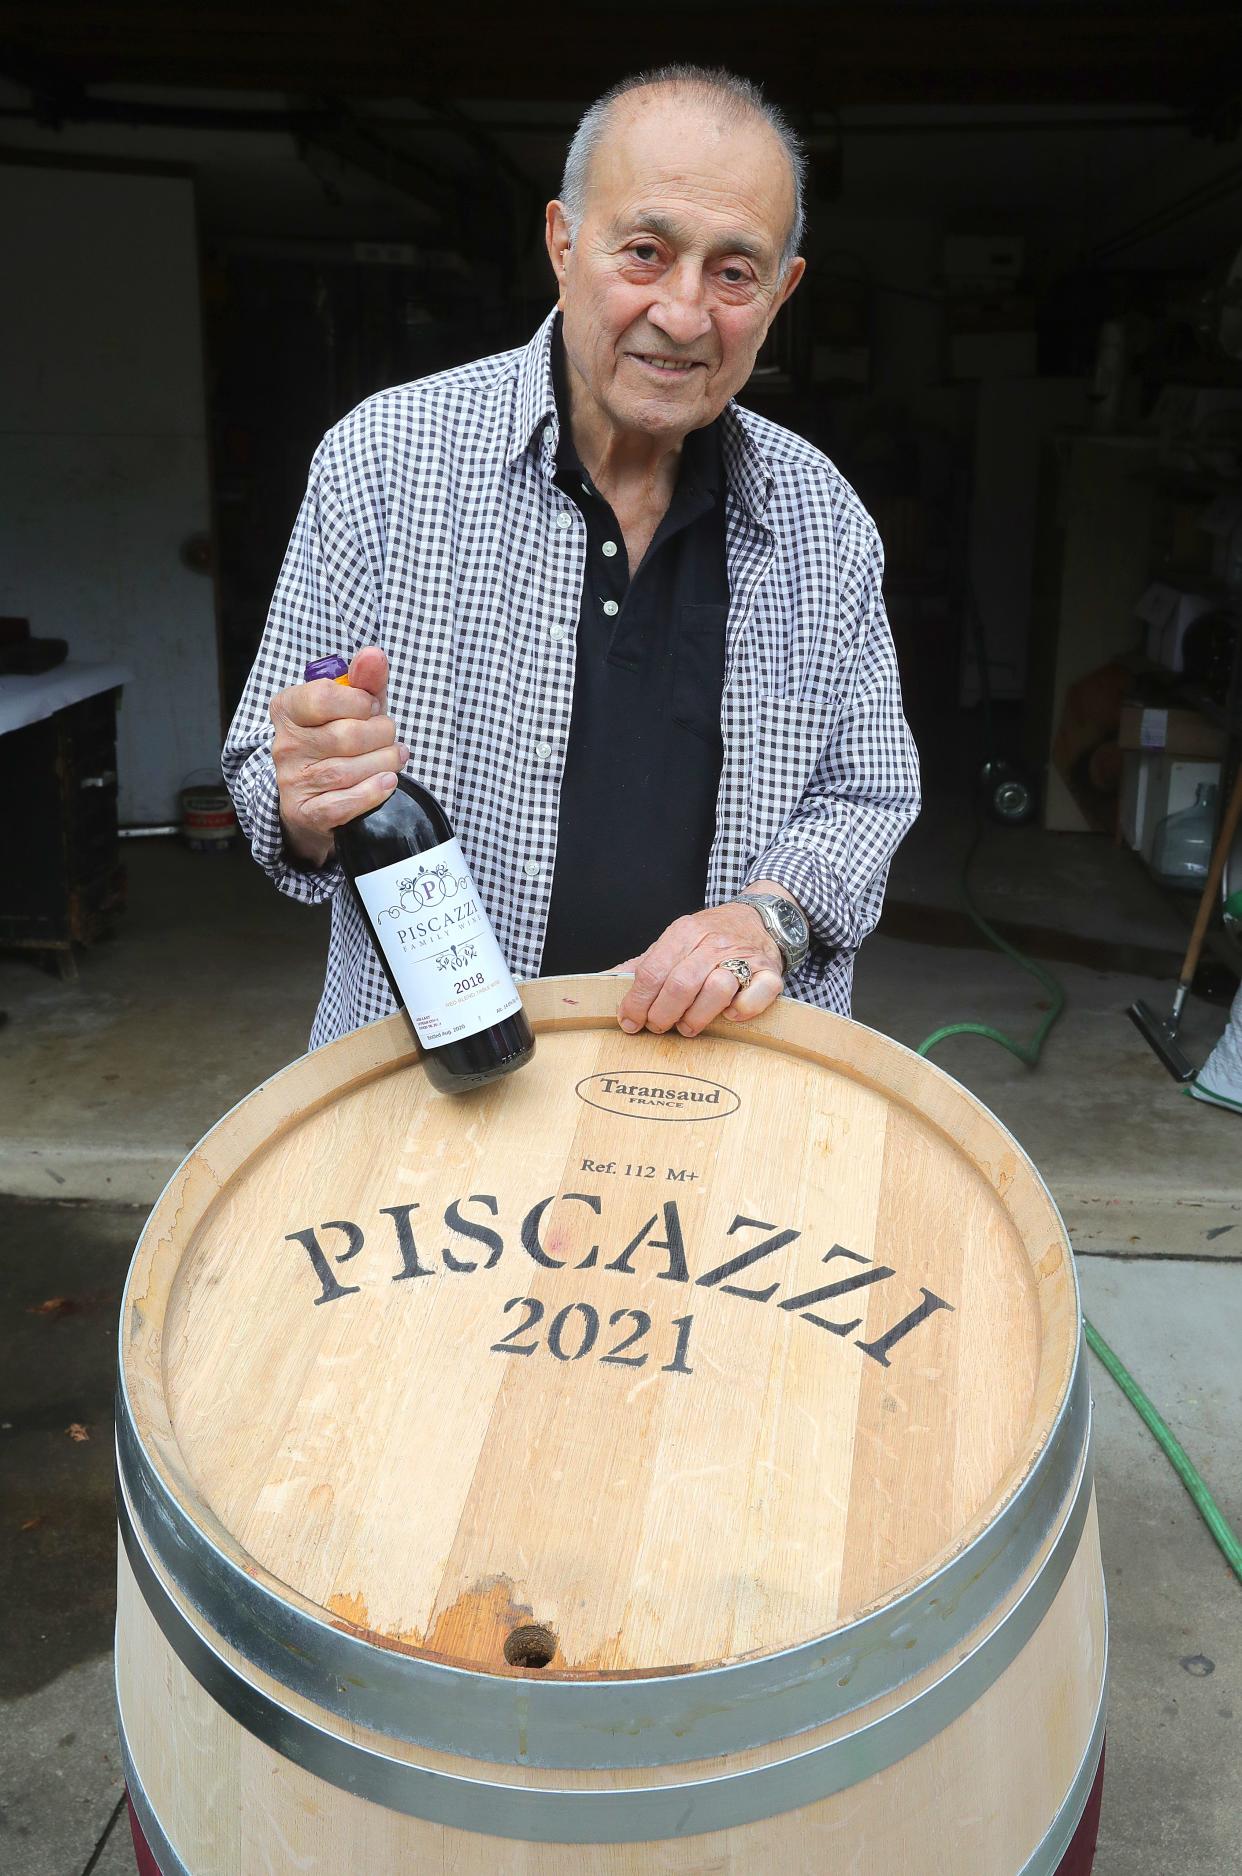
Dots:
{"x": 432, "y": 934}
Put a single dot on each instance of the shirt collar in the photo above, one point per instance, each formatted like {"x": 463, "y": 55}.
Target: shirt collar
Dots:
{"x": 746, "y": 469}
{"x": 534, "y": 404}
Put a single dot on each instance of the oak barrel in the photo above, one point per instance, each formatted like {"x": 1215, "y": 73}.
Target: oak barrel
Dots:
{"x": 673, "y": 1458}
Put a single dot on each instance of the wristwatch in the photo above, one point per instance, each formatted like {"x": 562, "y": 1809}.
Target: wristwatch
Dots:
{"x": 786, "y": 924}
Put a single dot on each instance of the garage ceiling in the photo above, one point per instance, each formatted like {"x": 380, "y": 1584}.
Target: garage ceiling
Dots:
{"x": 811, "y": 55}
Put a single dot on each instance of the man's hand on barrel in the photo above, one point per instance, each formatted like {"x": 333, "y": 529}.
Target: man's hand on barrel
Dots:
{"x": 680, "y": 981}
{"x": 336, "y": 754}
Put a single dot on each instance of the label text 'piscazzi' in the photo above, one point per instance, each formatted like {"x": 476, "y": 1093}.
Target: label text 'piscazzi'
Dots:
{"x": 751, "y": 1251}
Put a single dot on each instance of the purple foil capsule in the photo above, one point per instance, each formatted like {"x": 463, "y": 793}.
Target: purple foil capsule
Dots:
{"x": 335, "y": 668}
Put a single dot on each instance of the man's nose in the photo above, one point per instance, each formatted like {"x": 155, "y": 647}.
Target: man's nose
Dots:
{"x": 680, "y": 310}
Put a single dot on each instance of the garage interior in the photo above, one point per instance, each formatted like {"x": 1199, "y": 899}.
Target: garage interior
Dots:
{"x": 1019, "y": 337}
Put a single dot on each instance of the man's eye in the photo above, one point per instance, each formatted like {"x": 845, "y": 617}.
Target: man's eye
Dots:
{"x": 646, "y": 251}
{"x": 735, "y": 276}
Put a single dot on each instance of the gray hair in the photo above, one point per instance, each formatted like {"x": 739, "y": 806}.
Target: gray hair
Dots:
{"x": 737, "y": 97}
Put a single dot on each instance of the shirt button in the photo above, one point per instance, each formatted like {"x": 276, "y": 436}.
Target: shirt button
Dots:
{"x": 532, "y": 869}
{"x": 556, "y": 633}
{"x": 543, "y": 751}
{"x": 611, "y": 608}
{"x": 562, "y": 521}
{"x": 549, "y": 434}
{"x": 609, "y": 548}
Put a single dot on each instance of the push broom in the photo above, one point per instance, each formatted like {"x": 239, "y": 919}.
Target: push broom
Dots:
{"x": 1161, "y": 1031}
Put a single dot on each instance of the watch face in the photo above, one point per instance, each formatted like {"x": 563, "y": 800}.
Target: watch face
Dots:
{"x": 793, "y": 925}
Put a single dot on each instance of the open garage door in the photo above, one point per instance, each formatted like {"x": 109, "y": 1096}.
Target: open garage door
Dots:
{"x": 104, "y": 488}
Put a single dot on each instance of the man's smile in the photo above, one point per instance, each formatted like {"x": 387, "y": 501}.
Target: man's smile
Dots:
{"x": 667, "y": 367}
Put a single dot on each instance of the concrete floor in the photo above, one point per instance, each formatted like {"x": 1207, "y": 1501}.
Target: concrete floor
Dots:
{"x": 210, "y": 985}
{"x": 1173, "y": 1787}
{"x": 60, "y": 1777}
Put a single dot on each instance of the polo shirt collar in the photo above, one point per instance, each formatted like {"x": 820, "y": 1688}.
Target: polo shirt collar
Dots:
{"x": 535, "y": 417}
{"x": 699, "y": 471}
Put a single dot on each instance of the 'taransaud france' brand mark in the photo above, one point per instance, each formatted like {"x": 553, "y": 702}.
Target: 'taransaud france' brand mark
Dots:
{"x": 651, "y": 1095}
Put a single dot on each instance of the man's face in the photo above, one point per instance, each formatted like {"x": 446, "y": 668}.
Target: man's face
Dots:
{"x": 674, "y": 278}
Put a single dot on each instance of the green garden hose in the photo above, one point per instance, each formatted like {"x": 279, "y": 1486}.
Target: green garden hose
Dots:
{"x": 1174, "y": 1451}
{"x": 1029, "y": 1052}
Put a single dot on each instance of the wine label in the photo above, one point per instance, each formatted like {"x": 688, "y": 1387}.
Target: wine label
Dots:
{"x": 428, "y": 918}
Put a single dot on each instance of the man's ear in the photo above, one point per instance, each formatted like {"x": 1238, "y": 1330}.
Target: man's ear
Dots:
{"x": 793, "y": 274}
{"x": 557, "y": 238}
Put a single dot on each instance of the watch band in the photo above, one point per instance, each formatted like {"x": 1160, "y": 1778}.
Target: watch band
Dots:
{"x": 793, "y": 954}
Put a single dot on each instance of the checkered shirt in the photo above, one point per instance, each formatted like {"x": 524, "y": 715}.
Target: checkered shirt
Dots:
{"x": 433, "y": 526}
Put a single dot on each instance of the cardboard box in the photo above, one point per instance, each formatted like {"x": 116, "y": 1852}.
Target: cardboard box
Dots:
{"x": 1153, "y": 786}
{"x": 1132, "y": 809}
{"x": 1175, "y": 732}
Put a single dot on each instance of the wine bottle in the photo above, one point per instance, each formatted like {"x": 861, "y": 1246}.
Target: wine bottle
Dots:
{"x": 431, "y": 932}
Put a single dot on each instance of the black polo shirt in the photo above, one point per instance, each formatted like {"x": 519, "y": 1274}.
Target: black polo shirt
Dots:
{"x": 642, "y": 770}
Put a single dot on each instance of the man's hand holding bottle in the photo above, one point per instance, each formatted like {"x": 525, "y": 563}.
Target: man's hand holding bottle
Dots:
{"x": 336, "y": 753}
{"x": 337, "y": 764}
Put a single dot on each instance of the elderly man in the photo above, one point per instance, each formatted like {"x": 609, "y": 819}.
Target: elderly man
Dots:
{"x": 630, "y": 635}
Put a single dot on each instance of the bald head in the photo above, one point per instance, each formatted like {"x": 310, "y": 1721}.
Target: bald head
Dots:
{"x": 719, "y": 101}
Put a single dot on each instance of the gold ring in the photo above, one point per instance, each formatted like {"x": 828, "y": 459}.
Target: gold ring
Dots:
{"x": 740, "y": 969}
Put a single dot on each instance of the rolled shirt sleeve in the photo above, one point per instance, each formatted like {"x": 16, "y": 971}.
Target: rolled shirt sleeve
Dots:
{"x": 833, "y": 852}
{"x": 324, "y": 602}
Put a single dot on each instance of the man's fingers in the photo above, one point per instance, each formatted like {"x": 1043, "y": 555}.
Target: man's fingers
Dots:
{"x": 310, "y": 706}
{"x": 325, "y": 813}
{"x": 759, "y": 995}
{"x": 337, "y": 775}
{"x": 654, "y": 1001}
{"x": 632, "y": 1011}
{"x": 685, "y": 983}
{"x": 718, "y": 992}
{"x": 326, "y": 700}
{"x": 650, "y": 973}
{"x": 298, "y": 751}
{"x": 347, "y": 737}
{"x": 368, "y": 671}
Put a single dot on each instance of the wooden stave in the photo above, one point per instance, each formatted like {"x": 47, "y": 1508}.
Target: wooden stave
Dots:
{"x": 1045, "y": 1859}
{"x": 194, "y": 1709}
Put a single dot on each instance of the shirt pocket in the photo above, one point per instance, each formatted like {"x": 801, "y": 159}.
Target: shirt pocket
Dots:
{"x": 698, "y": 670}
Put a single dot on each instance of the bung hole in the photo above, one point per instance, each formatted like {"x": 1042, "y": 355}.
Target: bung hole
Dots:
{"x": 531, "y": 1646}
